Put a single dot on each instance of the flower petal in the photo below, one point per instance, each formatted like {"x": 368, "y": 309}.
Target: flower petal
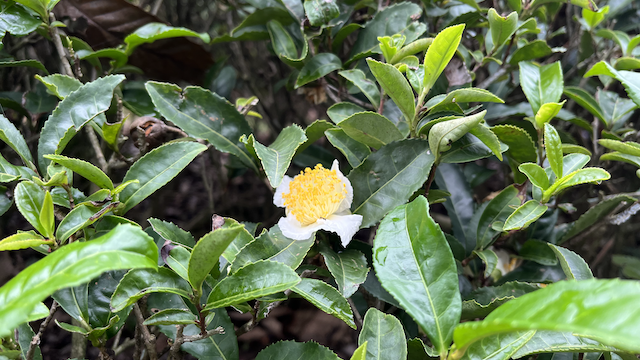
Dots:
{"x": 292, "y": 229}
{"x": 346, "y": 202}
{"x": 344, "y": 225}
{"x": 282, "y": 188}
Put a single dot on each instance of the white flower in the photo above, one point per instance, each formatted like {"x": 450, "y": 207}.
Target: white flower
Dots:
{"x": 317, "y": 199}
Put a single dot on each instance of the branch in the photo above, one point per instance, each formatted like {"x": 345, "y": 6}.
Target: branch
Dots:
{"x": 488, "y": 81}
{"x": 149, "y": 338}
{"x": 95, "y": 143}
{"x": 35, "y": 341}
{"x": 55, "y": 36}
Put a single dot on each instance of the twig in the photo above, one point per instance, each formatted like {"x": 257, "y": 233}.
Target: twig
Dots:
{"x": 35, "y": 341}
{"x": 191, "y": 338}
{"x": 605, "y": 249}
{"x": 156, "y": 7}
{"x": 149, "y": 338}
{"x": 55, "y": 36}
{"x": 488, "y": 81}
{"x": 124, "y": 346}
{"x": 173, "y": 353}
{"x": 95, "y": 143}
{"x": 356, "y": 313}
{"x": 381, "y": 108}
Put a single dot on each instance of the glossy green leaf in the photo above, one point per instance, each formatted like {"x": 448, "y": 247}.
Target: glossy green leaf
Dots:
{"x": 618, "y": 156}
{"x": 273, "y": 246}
{"x": 384, "y": 336}
{"x": 541, "y": 84}
{"x": 594, "y": 18}
{"x": 139, "y": 282}
{"x": 84, "y": 169}
{"x": 482, "y": 301}
{"x": 502, "y": 28}
{"x": 314, "y": 132}
{"x": 573, "y": 162}
{"x": 585, "y": 100}
{"x": 521, "y": 147}
{"x": 414, "y": 263}
{"x": 470, "y": 148}
{"x": 23, "y": 240}
{"x": 120, "y": 57}
{"x": 547, "y": 112}
{"x": 284, "y": 45}
{"x": 252, "y": 281}
{"x": 29, "y": 199}
{"x": 354, "y": 151}
{"x": 77, "y": 219}
{"x": 497, "y": 347}
{"x": 439, "y": 54}
{"x": 464, "y": 95}
{"x": 244, "y": 237}
{"x": 319, "y": 66}
{"x": 595, "y": 214}
{"x": 627, "y": 63}
{"x": 122, "y": 248}
{"x": 536, "y": 175}
{"x": 552, "y": 341}
{"x": 538, "y": 251}
{"x": 203, "y": 115}
{"x": 604, "y": 310}
{"x": 296, "y": 350}
{"x": 460, "y": 205}
{"x": 277, "y": 157}
{"x": 320, "y": 12}
{"x": 326, "y": 298}
{"x": 575, "y": 149}
{"x": 490, "y": 260}
{"x": 12, "y": 137}
{"x": 60, "y": 85}
{"x": 205, "y": 255}
{"x": 15, "y": 20}
{"x": 443, "y": 134}
{"x": 572, "y": 264}
{"x": 553, "y": 147}
{"x": 489, "y": 138}
{"x": 47, "y": 218}
{"x": 340, "y": 111}
{"x": 368, "y": 87}
{"x": 156, "y": 31}
{"x": 361, "y": 352}
{"x": 616, "y": 109}
{"x": 170, "y": 231}
{"x": 171, "y": 317}
{"x": 78, "y": 108}
{"x": 498, "y": 209}
{"x": 155, "y": 169}
{"x": 582, "y": 176}
{"x": 625, "y": 147}
{"x": 396, "y": 86}
{"x": 378, "y": 188}
{"x": 24, "y": 336}
{"x": 534, "y": 50}
{"x": 349, "y": 269}
{"x": 178, "y": 261}
{"x": 28, "y": 63}
{"x": 371, "y": 129}
{"x": 524, "y": 215}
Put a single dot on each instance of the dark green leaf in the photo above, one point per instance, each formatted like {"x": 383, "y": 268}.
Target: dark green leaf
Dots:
{"x": 585, "y": 100}
{"x": 396, "y": 86}
{"x": 482, "y": 301}
{"x": 460, "y": 206}
{"x": 326, "y": 298}
{"x": 296, "y": 350}
{"x": 320, "y": 12}
{"x": 490, "y": 260}
{"x": 277, "y": 157}
{"x": 470, "y": 148}
{"x": 384, "y": 336}
{"x": 354, "y": 151}
{"x": 28, "y": 63}
{"x": 371, "y": 129}
{"x": 464, "y": 95}
{"x": 340, "y": 111}
{"x": 524, "y": 215}
{"x": 171, "y": 317}
{"x": 521, "y": 147}
{"x": 25, "y": 336}
{"x": 15, "y": 20}
{"x": 533, "y": 50}
{"x": 170, "y": 231}
{"x": 498, "y": 209}
{"x": 314, "y": 132}
{"x": 368, "y": 87}
{"x": 284, "y": 45}
{"x": 156, "y": 31}
{"x": 595, "y": 214}
{"x": 84, "y": 169}
{"x": 139, "y": 282}
{"x": 77, "y": 219}
{"x": 319, "y": 66}
{"x": 541, "y": 84}
{"x": 349, "y": 269}
{"x": 572, "y": 264}
{"x": 12, "y": 137}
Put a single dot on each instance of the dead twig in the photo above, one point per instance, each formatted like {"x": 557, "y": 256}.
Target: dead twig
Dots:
{"x": 35, "y": 341}
{"x": 149, "y": 338}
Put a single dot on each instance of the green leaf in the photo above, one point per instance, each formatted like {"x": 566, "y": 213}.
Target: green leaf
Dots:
{"x": 616, "y": 109}
{"x": 582, "y": 176}
{"x": 482, "y": 301}
{"x": 319, "y": 66}
{"x": 384, "y": 335}
{"x": 156, "y": 31}
{"x": 15, "y": 20}
{"x": 368, "y": 87}
{"x": 378, "y": 188}
{"x": 205, "y": 255}
{"x": 553, "y": 341}
{"x": 498, "y": 209}
{"x": 630, "y": 265}
{"x": 497, "y": 347}
{"x": 25, "y": 335}
{"x": 414, "y": 263}
{"x": 490, "y": 260}
{"x": 273, "y": 246}
{"x": 371, "y": 129}
{"x": 594, "y": 18}
{"x": 296, "y": 350}
{"x": 354, "y": 151}
{"x": 250, "y": 282}
{"x": 533, "y": 50}
{"x": 536, "y": 175}
{"x": 170, "y": 231}
{"x": 171, "y": 317}
{"x": 284, "y": 45}
{"x": 124, "y": 247}
{"x": 595, "y": 214}
{"x": 139, "y": 282}
{"x": 12, "y": 137}
{"x": 60, "y": 85}
{"x": 502, "y": 28}
{"x": 470, "y": 148}
{"x": 575, "y": 149}
{"x": 618, "y": 156}
{"x": 538, "y": 251}
{"x": 464, "y": 95}
{"x": 23, "y": 240}
{"x": 524, "y": 215}
{"x": 47, "y": 218}
{"x": 585, "y": 100}
{"x": 488, "y": 138}
{"x": 340, "y": 111}
{"x": 277, "y": 157}
{"x": 439, "y": 54}
{"x": 244, "y": 238}
{"x": 349, "y": 269}
{"x": 627, "y": 147}
{"x": 553, "y": 147}
{"x": 84, "y": 169}
{"x": 361, "y": 352}
{"x": 320, "y": 12}
{"x": 396, "y": 86}
{"x": 443, "y": 134}
{"x": 157, "y": 168}
{"x": 627, "y": 63}
{"x": 29, "y": 199}
{"x": 178, "y": 261}
{"x": 521, "y": 147}
{"x": 28, "y": 63}
{"x": 203, "y": 115}
{"x": 120, "y": 57}
{"x": 326, "y": 298}
{"x": 72, "y": 113}
{"x": 547, "y": 112}
{"x": 541, "y": 84}
{"x": 572, "y": 264}
{"x": 604, "y": 310}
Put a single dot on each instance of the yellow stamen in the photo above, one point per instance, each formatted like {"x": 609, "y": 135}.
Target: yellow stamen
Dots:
{"x": 314, "y": 194}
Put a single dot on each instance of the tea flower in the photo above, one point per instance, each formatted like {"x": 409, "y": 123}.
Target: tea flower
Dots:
{"x": 317, "y": 199}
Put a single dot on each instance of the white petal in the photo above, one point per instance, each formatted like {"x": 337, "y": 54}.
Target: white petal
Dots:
{"x": 344, "y": 225}
{"x": 292, "y": 229}
{"x": 346, "y": 202}
{"x": 282, "y": 188}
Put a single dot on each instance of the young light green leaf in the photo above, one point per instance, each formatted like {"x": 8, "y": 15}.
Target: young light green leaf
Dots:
{"x": 384, "y": 336}
{"x": 582, "y": 176}
{"x": 124, "y": 247}
{"x": 443, "y": 134}
{"x": 464, "y": 95}
{"x": 627, "y": 147}
{"x": 527, "y": 213}
{"x": 201, "y": 114}
{"x": 605, "y": 310}
{"x": 497, "y": 347}
{"x": 594, "y": 18}
{"x": 502, "y": 28}
{"x": 252, "y": 281}
{"x": 439, "y": 54}
{"x": 84, "y": 169}
{"x": 171, "y": 317}
{"x": 349, "y": 269}
{"x": 368, "y": 87}
{"x": 371, "y": 129}
{"x": 488, "y": 138}
{"x": 47, "y": 218}
{"x": 498, "y": 209}
{"x": 536, "y": 175}
{"x": 297, "y": 350}
{"x": 541, "y": 84}
{"x": 407, "y": 240}
{"x": 547, "y": 112}
{"x": 12, "y": 137}
{"x": 156, "y": 31}
{"x": 378, "y": 188}
{"x": 277, "y": 157}
{"x": 553, "y": 147}
{"x": 23, "y": 240}
{"x": 319, "y": 66}
{"x": 326, "y": 298}
{"x": 29, "y": 200}
{"x": 354, "y": 151}
{"x": 139, "y": 282}
{"x": 575, "y": 149}
{"x": 396, "y": 86}
{"x": 361, "y": 352}
{"x": 572, "y": 264}
{"x": 155, "y": 169}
